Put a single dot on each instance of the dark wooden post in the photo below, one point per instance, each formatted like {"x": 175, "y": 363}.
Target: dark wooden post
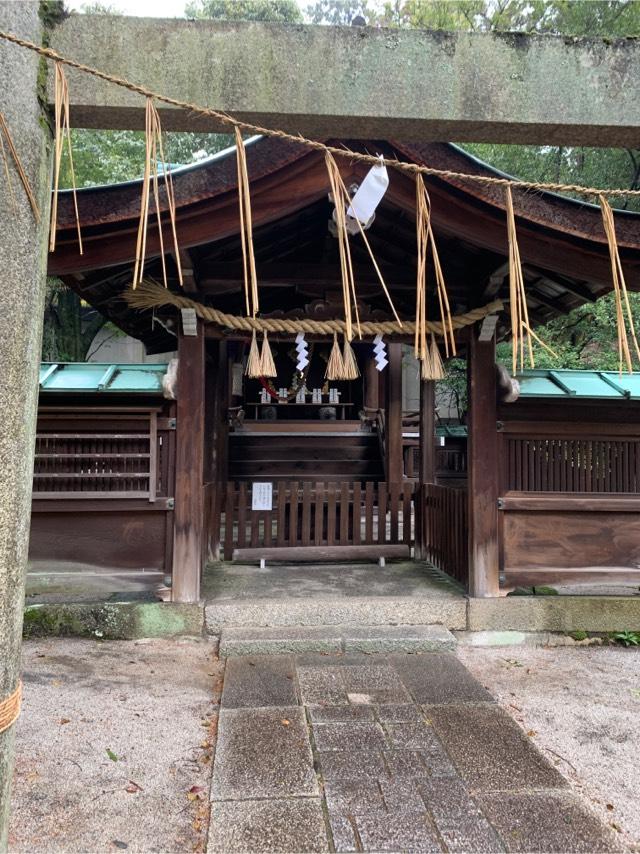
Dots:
{"x": 427, "y": 432}
{"x": 371, "y": 384}
{"x": 427, "y": 462}
{"x": 189, "y": 513}
{"x": 393, "y": 420}
{"x": 482, "y": 457}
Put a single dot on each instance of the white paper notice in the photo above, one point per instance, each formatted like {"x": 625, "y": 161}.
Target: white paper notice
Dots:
{"x": 262, "y": 496}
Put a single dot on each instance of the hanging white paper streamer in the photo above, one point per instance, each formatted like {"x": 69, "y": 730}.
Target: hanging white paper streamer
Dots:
{"x": 302, "y": 349}
{"x": 380, "y": 350}
{"x": 369, "y": 193}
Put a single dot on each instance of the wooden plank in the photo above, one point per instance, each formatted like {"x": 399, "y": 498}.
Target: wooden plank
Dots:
{"x": 305, "y": 538}
{"x": 483, "y": 469}
{"x": 596, "y": 502}
{"x": 344, "y": 514}
{"x": 188, "y": 516}
{"x": 293, "y": 512}
{"x": 382, "y": 513}
{"x": 314, "y": 554}
{"x": 318, "y": 519}
{"x": 331, "y": 514}
{"x": 357, "y": 513}
{"x": 407, "y": 493}
{"x": 394, "y": 504}
{"x": 281, "y": 536}
{"x": 368, "y": 512}
{"x": 427, "y": 456}
{"x": 242, "y": 514}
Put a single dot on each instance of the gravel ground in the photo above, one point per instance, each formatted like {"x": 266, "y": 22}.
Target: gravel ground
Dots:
{"x": 112, "y": 739}
{"x": 581, "y": 706}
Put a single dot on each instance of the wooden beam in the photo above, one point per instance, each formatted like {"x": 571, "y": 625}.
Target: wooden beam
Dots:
{"x": 482, "y": 468}
{"x": 188, "y": 514}
{"x": 393, "y": 406}
{"x": 371, "y": 384}
{"x": 189, "y": 282}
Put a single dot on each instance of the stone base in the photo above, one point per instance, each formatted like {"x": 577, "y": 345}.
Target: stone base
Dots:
{"x": 555, "y": 614}
{"x": 114, "y": 620}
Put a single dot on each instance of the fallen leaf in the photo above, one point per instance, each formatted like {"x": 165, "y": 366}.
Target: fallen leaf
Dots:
{"x": 609, "y": 806}
{"x": 119, "y": 844}
{"x": 64, "y": 721}
{"x": 112, "y": 756}
{"x": 194, "y": 790}
{"x": 531, "y": 733}
{"x": 285, "y": 722}
{"x": 133, "y": 787}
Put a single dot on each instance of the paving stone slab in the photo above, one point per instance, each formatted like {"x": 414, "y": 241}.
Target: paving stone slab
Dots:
{"x": 279, "y": 640}
{"x": 277, "y": 827}
{"x": 263, "y": 753}
{"x": 397, "y": 639}
{"x": 353, "y": 796}
{"x": 345, "y": 684}
{"x": 352, "y": 765}
{"x": 259, "y": 681}
{"x": 438, "y": 678}
{"x": 386, "y": 831}
{"x": 405, "y": 764}
{"x": 321, "y": 686}
{"x": 348, "y": 736}
{"x": 398, "y": 713}
{"x": 469, "y": 836}
{"x": 343, "y": 832}
{"x": 548, "y": 822}
{"x": 412, "y": 735}
{"x": 490, "y": 750}
{"x": 331, "y": 714}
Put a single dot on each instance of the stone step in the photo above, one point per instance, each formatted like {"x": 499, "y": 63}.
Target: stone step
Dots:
{"x": 286, "y": 640}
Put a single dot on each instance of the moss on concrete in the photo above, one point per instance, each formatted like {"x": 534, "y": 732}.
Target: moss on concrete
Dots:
{"x": 113, "y": 620}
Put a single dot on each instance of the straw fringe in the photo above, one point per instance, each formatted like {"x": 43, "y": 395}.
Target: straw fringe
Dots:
{"x": 623, "y": 306}
{"x": 340, "y": 200}
{"x": 10, "y": 708}
{"x": 154, "y": 151}
{"x": 267, "y": 365}
{"x": 517, "y": 297}
{"x": 351, "y": 371}
{"x": 254, "y": 362}
{"x": 246, "y": 230}
{"x": 437, "y": 368}
{"x": 62, "y": 133}
{"x": 425, "y": 239}
{"x": 335, "y": 365}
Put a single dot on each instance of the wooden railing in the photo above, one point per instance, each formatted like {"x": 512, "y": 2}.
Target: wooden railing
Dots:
{"x": 319, "y": 514}
{"x": 113, "y": 455}
{"x": 570, "y": 464}
{"x": 444, "y": 529}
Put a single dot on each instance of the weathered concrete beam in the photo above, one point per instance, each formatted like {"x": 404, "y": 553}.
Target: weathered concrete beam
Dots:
{"x": 361, "y": 82}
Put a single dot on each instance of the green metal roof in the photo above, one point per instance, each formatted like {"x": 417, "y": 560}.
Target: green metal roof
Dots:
{"x": 592, "y": 385}
{"x": 98, "y": 377}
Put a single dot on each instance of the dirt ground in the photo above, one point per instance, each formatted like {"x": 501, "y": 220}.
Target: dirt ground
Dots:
{"x": 114, "y": 747}
{"x": 581, "y": 706}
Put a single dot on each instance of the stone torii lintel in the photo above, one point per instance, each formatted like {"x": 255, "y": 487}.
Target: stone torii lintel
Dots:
{"x": 359, "y": 82}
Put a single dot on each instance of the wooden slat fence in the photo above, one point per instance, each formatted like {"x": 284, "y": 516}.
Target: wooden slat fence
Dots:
{"x": 319, "y": 513}
{"x": 443, "y": 519}
{"x": 567, "y": 464}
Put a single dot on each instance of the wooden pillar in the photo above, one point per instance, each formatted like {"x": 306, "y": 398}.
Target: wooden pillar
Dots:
{"x": 427, "y": 473}
{"x": 393, "y": 419}
{"x": 371, "y": 384}
{"x": 221, "y": 390}
{"x": 482, "y": 455}
{"x": 190, "y": 423}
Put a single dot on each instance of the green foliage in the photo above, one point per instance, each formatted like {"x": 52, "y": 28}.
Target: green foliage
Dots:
{"x": 626, "y": 638}
{"x": 278, "y": 11}
{"x": 579, "y": 635}
{"x": 586, "y": 338}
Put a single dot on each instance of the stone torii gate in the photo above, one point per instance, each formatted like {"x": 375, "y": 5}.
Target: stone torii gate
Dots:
{"x": 319, "y": 81}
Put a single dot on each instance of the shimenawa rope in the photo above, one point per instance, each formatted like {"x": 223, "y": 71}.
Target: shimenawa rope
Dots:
{"x": 150, "y": 295}
{"x": 10, "y": 708}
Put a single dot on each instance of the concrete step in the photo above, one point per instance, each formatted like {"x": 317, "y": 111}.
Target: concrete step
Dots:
{"x": 285, "y": 640}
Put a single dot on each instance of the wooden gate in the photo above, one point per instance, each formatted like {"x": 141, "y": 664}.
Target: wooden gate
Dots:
{"x": 444, "y": 534}
{"x": 321, "y": 513}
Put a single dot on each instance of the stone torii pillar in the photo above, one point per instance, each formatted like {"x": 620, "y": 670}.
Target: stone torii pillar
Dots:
{"x": 23, "y": 247}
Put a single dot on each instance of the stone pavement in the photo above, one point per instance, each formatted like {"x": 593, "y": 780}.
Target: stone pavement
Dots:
{"x": 382, "y": 753}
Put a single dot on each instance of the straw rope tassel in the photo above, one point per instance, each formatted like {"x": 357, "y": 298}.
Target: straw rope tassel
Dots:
{"x": 517, "y": 297}
{"x": 351, "y": 370}
{"x": 620, "y": 289}
{"x": 335, "y": 365}
{"x": 154, "y": 152}
{"x": 254, "y": 362}
{"x": 62, "y": 132}
{"x": 346, "y": 267}
{"x": 267, "y": 365}
{"x": 10, "y": 708}
{"x": 437, "y": 368}
{"x": 246, "y": 230}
